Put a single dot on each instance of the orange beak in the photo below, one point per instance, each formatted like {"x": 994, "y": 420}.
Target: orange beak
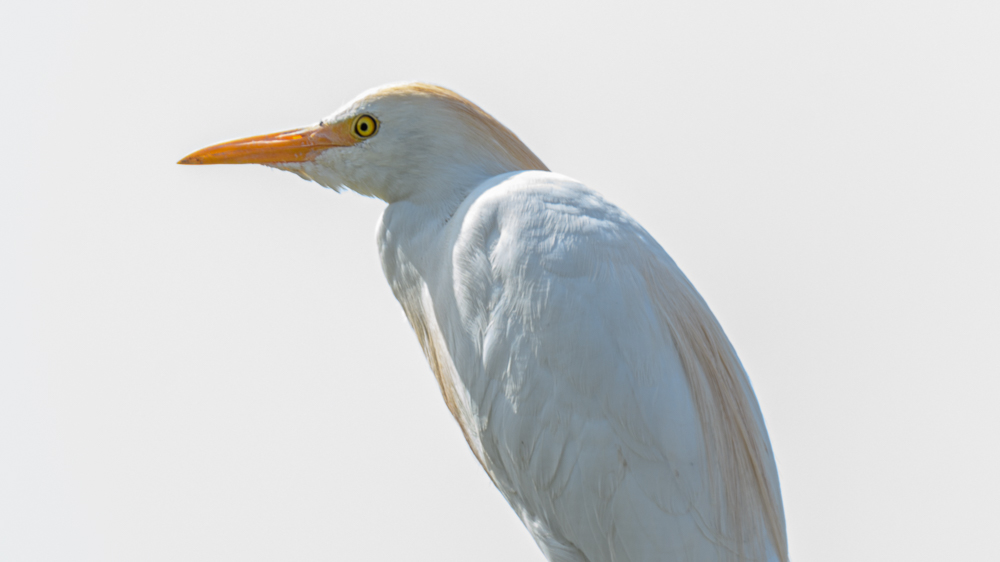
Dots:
{"x": 297, "y": 145}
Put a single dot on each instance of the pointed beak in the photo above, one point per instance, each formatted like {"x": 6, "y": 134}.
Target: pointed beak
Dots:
{"x": 297, "y": 145}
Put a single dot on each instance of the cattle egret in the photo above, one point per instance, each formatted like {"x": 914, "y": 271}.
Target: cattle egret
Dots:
{"x": 587, "y": 374}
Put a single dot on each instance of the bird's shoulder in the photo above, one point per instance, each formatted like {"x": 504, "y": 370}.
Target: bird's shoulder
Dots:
{"x": 544, "y": 223}
{"x": 548, "y": 254}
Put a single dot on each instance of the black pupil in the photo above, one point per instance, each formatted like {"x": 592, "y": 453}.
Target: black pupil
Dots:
{"x": 363, "y": 126}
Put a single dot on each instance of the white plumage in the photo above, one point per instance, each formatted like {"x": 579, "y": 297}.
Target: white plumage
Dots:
{"x": 588, "y": 376}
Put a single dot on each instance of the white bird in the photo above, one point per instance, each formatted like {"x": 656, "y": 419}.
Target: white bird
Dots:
{"x": 588, "y": 376}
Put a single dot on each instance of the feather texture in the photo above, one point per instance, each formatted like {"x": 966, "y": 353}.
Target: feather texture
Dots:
{"x": 589, "y": 377}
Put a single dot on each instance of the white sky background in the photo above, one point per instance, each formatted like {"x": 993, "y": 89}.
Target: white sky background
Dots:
{"x": 205, "y": 363}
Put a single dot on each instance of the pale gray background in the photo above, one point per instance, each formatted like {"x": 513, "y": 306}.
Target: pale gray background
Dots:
{"x": 206, "y": 364}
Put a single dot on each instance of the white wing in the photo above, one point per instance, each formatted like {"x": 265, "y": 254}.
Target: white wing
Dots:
{"x": 594, "y": 384}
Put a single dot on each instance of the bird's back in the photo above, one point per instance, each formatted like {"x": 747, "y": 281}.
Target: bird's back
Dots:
{"x": 588, "y": 376}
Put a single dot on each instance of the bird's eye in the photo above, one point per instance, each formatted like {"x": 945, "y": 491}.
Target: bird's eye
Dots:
{"x": 365, "y": 126}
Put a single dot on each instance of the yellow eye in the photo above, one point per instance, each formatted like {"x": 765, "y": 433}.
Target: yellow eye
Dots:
{"x": 365, "y": 126}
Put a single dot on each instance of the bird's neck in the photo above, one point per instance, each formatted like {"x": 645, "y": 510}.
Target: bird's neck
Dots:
{"x": 437, "y": 198}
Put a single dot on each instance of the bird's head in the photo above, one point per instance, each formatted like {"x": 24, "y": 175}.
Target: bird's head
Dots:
{"x": 406, "y": 141}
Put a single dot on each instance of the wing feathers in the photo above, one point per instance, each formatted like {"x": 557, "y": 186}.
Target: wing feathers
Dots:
{"x": 735, "y": 439}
